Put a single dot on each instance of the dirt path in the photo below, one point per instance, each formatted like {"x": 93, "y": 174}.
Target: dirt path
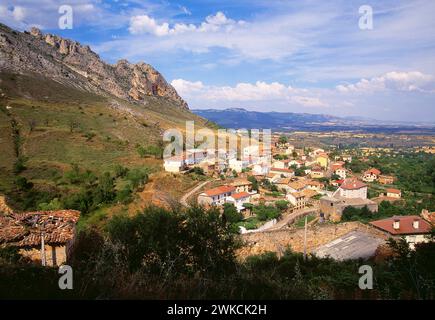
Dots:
{"x": 186, "y": 196}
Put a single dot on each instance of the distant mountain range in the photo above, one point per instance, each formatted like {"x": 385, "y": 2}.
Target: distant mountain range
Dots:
{"x": 290, "y": 121}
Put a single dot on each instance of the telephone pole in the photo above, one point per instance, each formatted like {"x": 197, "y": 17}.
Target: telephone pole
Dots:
{"x": 305, "y": 239}
{"x": 43, "y": 246}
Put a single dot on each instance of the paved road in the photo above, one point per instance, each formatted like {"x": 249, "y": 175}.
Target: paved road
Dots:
{"x": 186, "y": 196}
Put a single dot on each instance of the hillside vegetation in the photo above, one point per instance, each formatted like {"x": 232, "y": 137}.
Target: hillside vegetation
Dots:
{"x": 48, "y": 128}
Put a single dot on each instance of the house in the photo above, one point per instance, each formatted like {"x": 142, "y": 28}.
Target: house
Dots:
{"x": 346, "y": 157}
{"x": 336, "y": 183}
{"x": 175, "y": 164}
{"x": 289, "y": 149}
{"x": 251, "y": 153}
{"x": 341, "y": 172}
{"x": 371, "y": 175}
{"x": 297, "y": 199}
{"x": 272, "y": 177}
{"x": 352, "y": 188}
{"x": 314, "y": 185}
{"x": 309, "y": 162}
{"x": 238, "y": 199}
{"x": 386, "y": 179}
{"x": 288, "y": 173}
{"x": 332, "y": 207}
{"x": 216, "y": 196}
{"x": 317, "y": 173}
{"x": 317, "y": 152}
{"x": 323, "y": 160}
{"x": 336, "y": 165}
{"x": 242, "y": 185}
{"x": 413, "y": 228}
{"x": 45, "y": 237}
{"x": 296, "y": 163}
{"x": 280, "y": 164}
{"x": 428, "y": 216}
{"x": 195, "y": 156}
{"x": 258, "y": 169}
{"x": 237, "y": 165}
{"x": 297, "y": 186}
{"x": 283, "y": 184}
{"x": 393, "y": 193}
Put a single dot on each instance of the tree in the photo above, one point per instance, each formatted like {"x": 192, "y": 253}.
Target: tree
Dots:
{"x": 282, "y": 205}
{"x": 264, "y": 212}
{"x": 254, "y": 182}
{"x": 231, "y": 213}
{"x": 283, "y": 139}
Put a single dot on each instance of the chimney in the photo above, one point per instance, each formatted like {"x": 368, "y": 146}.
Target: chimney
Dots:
{"x": 416, "y": 224}
{"x": 396, "y": 224}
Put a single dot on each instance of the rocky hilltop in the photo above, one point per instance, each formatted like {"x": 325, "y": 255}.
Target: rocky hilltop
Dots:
{"x": 70, "y": 63}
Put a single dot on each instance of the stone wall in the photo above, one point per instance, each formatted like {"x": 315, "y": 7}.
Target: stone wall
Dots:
{"x": 319, "y": 234}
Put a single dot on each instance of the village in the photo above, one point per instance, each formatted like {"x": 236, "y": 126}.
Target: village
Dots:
{"x": 291, "y": 188}
{"x": 280, "y": 198}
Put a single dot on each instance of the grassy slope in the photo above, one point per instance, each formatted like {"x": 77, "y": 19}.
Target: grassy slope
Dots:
{"x": 103, "y": 137}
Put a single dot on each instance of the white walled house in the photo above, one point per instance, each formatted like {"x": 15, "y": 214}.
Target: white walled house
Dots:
{"x": 174, "y": 164}
{"x": 297, "y": 199}
{"x": 195, "y": 156}
{"x": 371, "y": 175}
{"x": 259, "y": 169}
{"x": 237, "y": 165}
{"x": 238, "y": 199}
{"x": 216, "y": 196}
{"x": 413, "y": 228}
{"x": 341, "y": 172}
{"x": 352, "y": 188}
{"x": 393, "y": 193}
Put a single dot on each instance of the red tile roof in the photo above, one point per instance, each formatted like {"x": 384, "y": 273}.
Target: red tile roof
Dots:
{"x": 281, "y": 170}
{"x": 373, "y": 171}
{"x": 391, "y": 190}
{"x": 240, "y": 195}
{"x": 352, "y": 184}
{"x": 405, "y": 225}
{"x": 219, "y": 190}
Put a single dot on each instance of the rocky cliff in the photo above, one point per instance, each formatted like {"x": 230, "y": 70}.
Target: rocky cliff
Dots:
{"x": 70, "y": 63}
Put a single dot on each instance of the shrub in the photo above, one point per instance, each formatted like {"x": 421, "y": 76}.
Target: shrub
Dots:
{"x": 231, "y": 213}
{"x": 265, "y": 213}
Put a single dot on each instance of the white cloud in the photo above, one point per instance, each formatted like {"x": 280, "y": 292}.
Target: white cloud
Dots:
{"x": 246, "y": 92}
{"x": 395, "y": 80}
{"x": 143, "y": 24}
{"x": 19, "y": 13}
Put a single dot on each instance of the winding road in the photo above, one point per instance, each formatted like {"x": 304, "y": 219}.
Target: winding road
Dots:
{"x": 186, "y": 196}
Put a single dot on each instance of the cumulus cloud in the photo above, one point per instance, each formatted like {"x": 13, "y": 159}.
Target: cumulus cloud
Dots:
{"x": 143, "y": 24}
{"x": 402, "y": 81}
{"x": 246, "y": 92}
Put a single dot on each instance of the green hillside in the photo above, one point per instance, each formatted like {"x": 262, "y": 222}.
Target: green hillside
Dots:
{"x": 46, "y": 128}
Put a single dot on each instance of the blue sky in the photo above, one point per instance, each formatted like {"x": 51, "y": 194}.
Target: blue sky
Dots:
{"x": 264, "y": 55}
